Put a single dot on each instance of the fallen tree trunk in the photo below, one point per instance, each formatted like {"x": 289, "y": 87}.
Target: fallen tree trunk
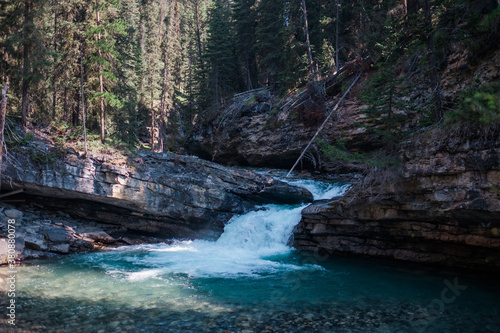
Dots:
{"x": 324, "y": 123}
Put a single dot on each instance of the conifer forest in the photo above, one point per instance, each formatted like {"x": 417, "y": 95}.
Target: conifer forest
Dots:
{"x": 142, "y": 72}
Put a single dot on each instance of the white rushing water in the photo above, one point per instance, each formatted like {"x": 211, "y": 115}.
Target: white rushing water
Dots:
{"x": 250, "y": 246}
{"x": 320, "y": 190}
{"x": 247, "y": 247}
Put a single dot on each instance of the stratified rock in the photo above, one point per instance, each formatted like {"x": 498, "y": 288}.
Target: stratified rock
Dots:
{"x": 442, "y": 207}
{"x": 57, "y": 234}
{"x": 167, "y": 194}
{"x": 59, "y": 248}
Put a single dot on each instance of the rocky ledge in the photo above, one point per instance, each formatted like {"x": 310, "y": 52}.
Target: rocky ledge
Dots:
{"x": 165, "y": 195}
{"x": 442, "y": 206}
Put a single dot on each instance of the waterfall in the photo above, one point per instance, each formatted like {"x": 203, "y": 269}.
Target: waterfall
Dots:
{"x": 251, "y": 244}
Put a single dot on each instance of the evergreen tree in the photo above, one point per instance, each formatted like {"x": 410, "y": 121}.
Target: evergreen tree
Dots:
{"x": 222, "y": 73}
{"x": 102, "y": 36}
{"x": 128, "y": 73}
{"x": 171, "y": 48}
{"x": 244, "y": 23}
{"x": 152, "y": 17}
{"x": 271, "y": 33}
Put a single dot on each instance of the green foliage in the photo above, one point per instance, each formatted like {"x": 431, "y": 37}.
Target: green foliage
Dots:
{"x": 478, "y": 106}
{"x": 41, "y": 158}
{"x": 216, "y": 49}
{"x": 339, "y": 152}
{"x": 26, "y": 139}
{"x": 384, "y": 95}
{"x": 22, "y": 141}
{"x": 269, "y": 35}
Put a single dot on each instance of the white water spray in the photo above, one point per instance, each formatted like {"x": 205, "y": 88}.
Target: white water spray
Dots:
{"x": 251, "y": 245}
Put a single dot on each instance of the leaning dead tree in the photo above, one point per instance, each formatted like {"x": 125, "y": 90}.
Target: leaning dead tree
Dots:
{"x": 324, "y": 123}
{"x": 3, "y": 111}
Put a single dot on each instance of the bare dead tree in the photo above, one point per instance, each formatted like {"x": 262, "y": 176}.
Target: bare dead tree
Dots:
{"x": 308, "y": 42}
{"x": 3, "y": 111}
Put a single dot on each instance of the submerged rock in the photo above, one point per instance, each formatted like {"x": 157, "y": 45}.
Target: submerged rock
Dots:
{"x": 166, "y": 194}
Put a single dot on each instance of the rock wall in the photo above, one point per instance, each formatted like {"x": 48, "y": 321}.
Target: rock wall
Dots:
{"x": 167, "y": 194}
{"x": 442, "y": 206}
{"x": 273, "y": 134}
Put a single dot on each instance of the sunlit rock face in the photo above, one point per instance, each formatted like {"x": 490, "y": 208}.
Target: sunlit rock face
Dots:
{"x": 168, "y": 194}
{"x": 441, "y": 206}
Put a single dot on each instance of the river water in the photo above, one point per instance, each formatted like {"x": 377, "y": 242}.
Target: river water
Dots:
{"x": 249, "y": 280}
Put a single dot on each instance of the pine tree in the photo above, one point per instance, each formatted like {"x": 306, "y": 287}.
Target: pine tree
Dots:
{"x": 222, "y": 73}
{"x": 269, "y": 43}
{"x": 152, "y": 17}
{"x": 128, "y": 72}
{"x": 102, "y": 36}
{"x": 244, "y": 23}
{"x": 171, "y": 53}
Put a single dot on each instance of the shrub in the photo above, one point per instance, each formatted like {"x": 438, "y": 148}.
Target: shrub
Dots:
{"x": 478, "y": 106}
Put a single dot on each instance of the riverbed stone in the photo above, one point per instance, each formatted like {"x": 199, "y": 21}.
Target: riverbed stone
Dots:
{"x": 59, "y": 248}
{"x": 57, "y": 234}
{"x": 36, "y": 242}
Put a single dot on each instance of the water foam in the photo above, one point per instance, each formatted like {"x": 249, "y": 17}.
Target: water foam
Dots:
{"x": 319, "y": 190}
{"x": 252, "y": 245}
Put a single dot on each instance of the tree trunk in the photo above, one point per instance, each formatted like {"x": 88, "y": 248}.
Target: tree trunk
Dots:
{"x": 75, "y": 114}
{"x": 308, "y": 42}
{"x": 198, "y": 35}
{"x": 337, "y": 65}
{"x": 411, "y": 6}
{"x": 153, "y": 113}
{"x": 101, "y": 84}
{"x": 165, "y": 102}
{"x": 83, "y": 98}
{"x": 65, "y": 105}
{"x": 162, "y": 19}
{"x": 436, "y": 87}
{"x": 54, "y": 69}
{"x": 163, "y": 106}
{"x": 3, "y": 111}
{"x": 28, "y": 22}
{"x": 249, "y": 75}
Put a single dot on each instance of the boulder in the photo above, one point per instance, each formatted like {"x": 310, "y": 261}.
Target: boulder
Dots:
{"x": 36, "y": 242}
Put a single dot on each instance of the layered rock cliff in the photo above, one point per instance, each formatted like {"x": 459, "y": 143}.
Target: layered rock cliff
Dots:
{"x": 168, "y": 194}
{"x": 442, "y": 206}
